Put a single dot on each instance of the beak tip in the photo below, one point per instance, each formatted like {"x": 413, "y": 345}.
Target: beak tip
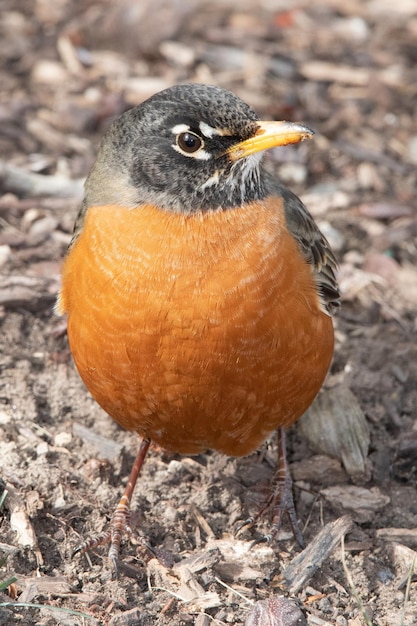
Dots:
{"x": 270, "y": 135}
{"x": 306, "y": 131}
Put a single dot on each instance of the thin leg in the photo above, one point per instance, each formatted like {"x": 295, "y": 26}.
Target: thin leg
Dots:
{"x": 120, "y": 521}
{"x": 280, "y": 499}
{"x": 282, "y": 496}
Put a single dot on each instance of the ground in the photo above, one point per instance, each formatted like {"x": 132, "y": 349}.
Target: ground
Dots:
{"x": 348, "y": 70}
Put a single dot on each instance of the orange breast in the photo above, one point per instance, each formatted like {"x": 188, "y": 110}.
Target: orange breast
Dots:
{"x": 200, "y": 331}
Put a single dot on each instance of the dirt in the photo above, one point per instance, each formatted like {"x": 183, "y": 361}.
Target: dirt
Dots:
{"x": 348, "y": 70}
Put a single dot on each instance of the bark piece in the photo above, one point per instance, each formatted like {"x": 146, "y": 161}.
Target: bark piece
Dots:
{"x": 361, "y": 503}
{"x": 336, "y": 425}
{"x": 302, "y": 567}
{"x": 407, "y": 536}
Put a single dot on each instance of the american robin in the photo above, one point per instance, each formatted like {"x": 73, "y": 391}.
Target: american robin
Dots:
{"x": 199, "y": 290}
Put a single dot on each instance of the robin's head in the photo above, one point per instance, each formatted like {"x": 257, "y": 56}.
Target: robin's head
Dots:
{"x": 188, "y": 148}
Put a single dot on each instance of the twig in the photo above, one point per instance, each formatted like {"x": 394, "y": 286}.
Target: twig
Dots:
{"x": 221, "y": 582}
{"x": 23, "y": 183}
{"x": 31, "y": 605}
{"x": 407, "y": 590}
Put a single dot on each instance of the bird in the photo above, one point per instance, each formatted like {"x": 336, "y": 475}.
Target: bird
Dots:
{"x": 199, "y": 292}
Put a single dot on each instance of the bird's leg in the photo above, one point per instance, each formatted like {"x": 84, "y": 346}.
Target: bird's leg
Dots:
{"x": 120, "y": 521}
{"x": 280, "y": 499}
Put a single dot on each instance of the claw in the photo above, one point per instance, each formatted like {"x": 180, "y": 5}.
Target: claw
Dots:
{"x": 264, "y": 539}
{"x": 248, "y": 523}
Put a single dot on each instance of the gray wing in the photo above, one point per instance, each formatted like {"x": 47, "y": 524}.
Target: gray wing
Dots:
{"x": 313, "y": 245}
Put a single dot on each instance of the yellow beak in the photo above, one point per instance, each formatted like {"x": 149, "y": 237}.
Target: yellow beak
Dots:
{"x": 269, "y": 135}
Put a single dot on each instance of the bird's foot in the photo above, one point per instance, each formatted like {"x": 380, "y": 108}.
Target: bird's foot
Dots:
{"x": 279, "y": 502}
{"x": 120, "y": 521}
{"x": 118, "y": 528}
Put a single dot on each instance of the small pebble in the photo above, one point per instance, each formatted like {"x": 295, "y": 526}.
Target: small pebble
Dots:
{"x": 62, "y": 439}
{"x": 30, "y": 216}
{"x": 43, "y": 226}
{"x": 399, "y": 597}
{"x": 49, "y": 72}
{"x": 42, "y": 448}
{"x": 5, "y": 254}
{"x": 5, "y": 418}
{"x": 385, "y": 575}
{"x": 352, "y": 28}
{"x": 325, "y": 605}
{"x": 170, "y": 514}
{"x": 174, "y": 467}
{"x": 367, "y": 175}
{"x": 202, "y": 620}
{"x": 178, "y": 53}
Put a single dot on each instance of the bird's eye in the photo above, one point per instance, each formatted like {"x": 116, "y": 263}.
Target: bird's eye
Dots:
{"x": 189, "y": 142}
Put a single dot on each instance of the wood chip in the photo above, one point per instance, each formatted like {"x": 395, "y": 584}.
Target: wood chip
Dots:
{"x": 183, "y": 584}
{"x": 27, "y": 292}
{"x": 201, "y": 521}
{"x": 385, "y": 210}
{"x": 315, "y": 620}
{"x": 382, "y": 265}
{"x": 361, "y": 502}
{"x": 319, "y": 469}
{"x": 402, "y": 535}
{"x": 330, "y": 72}
{"x": 134, "y": 617}
{"x": 20, "y": 181}
{"x": 302, "y": 567}
{"x": 20, "y": 521}
{"x": 238, "y": 571}
{"x": 236, "y": 554}
{"x": 202, "y": 560}
{"x": 336, "y": 425}
{"x": 7, "y": 549}
{"x": 324, "y": 71}
{"x": 43, "y": 586}
{"x": 404, "y": 558}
